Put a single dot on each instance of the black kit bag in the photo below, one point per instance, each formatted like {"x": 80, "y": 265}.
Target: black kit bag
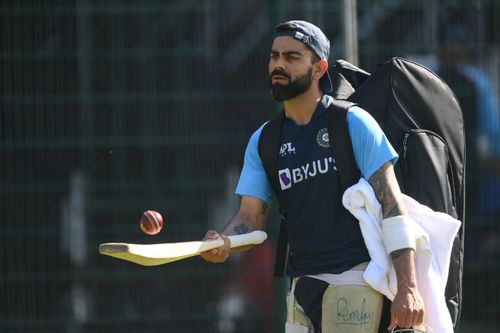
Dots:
{"x": 422, "y": 119}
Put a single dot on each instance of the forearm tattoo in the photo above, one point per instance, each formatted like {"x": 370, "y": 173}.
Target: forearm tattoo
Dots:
{"x": 244, "y": 223}
{"x": 264, "y": 208}
{"x": 386, "y": 189}
{"x": 241, "y": 229}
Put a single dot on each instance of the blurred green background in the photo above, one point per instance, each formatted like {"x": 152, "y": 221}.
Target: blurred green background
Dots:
{"x": 110, "y": 108}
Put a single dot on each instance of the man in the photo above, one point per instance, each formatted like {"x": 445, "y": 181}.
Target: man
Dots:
{"x": 327, "y": 252}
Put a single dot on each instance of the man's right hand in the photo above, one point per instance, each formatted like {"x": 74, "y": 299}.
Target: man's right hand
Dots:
{"x": 220, "y": 254}
{"x": 251, "y": 216}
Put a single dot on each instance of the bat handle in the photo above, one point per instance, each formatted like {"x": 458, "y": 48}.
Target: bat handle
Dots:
{"x": 251, "y": 238}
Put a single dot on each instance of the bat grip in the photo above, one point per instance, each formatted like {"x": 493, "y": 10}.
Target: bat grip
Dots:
{"x": 251, "y": 238}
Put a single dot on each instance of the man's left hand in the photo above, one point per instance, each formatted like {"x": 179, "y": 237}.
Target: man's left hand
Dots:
{"x": 407, "y": 309}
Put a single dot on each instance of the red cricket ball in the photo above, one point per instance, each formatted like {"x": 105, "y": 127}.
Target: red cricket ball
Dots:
{"x": 151, "y": 222}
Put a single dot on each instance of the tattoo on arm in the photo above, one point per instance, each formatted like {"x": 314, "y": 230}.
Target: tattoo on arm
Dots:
{"x": 264, "y": 208}
{"x": 386, "y": 189}
{"x": 379, "y": 184}
{"x": 241, "y": 229}
{"x": 250, "y": 217}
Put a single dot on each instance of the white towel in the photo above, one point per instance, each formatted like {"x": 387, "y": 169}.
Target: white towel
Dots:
{"x": 434, "y": 234}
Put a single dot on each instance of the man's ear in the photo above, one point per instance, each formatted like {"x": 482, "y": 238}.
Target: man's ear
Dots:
{"x": 322, "y": 67}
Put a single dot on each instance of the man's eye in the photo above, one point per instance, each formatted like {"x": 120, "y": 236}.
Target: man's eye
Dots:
{"x": 274, "y": 56}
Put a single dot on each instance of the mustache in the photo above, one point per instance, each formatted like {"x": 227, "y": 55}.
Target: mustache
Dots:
{"x": 280, "y": 72}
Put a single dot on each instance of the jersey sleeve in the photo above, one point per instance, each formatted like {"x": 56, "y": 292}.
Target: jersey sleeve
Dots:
{"x": 371, "y": 147}
{"x": 253, "y": 179}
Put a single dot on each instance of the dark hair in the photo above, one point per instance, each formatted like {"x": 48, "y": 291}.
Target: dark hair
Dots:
{"x": 287, "y": 26}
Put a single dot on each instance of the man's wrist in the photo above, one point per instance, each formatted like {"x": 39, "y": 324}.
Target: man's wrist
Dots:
{"x": 405, "y": 272}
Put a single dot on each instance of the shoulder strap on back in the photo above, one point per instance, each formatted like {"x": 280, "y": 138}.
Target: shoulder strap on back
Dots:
{"x": 341, "y": 143}
{"x": 269, "y": 147}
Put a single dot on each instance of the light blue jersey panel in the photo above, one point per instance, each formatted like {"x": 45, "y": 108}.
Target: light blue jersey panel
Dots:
{"x": 253, "y": 179}
{"x": 370, "y": 145}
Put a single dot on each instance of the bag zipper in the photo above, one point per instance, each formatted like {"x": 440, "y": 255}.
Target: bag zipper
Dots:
{"x": 409, "y": 132}
{"x": 405, "y": 148}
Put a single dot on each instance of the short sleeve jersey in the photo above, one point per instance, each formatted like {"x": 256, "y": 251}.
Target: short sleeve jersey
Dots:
{"x": 321, "y": 233}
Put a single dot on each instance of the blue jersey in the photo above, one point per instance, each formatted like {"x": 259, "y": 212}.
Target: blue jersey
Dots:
{"x": 323, "y": 237}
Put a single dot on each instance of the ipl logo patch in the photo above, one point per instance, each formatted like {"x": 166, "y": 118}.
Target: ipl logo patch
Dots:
{"x": 322, "y": 138}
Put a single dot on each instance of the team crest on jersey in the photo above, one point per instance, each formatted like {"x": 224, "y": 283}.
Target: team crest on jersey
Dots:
{"x": 322, "y": 138}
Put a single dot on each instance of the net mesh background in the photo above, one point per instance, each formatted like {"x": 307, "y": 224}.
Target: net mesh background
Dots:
{"x": 110, "y": 108}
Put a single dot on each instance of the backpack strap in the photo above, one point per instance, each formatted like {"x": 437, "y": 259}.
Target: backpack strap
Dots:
{"x": 342, "y": 145}
{"x": 348, "y": 169}
{"x": 269, "y": 147}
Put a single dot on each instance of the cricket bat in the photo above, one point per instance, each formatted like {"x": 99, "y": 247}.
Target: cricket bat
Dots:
{"x": 164, "y": 253}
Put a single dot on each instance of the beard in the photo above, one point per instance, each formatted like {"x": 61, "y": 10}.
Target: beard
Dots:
{"x": 294, "y": 88}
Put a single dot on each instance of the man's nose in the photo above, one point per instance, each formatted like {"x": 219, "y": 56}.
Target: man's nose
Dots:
{"x": 279, "y": 64}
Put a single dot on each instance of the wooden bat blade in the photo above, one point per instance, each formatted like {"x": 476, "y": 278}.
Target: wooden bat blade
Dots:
{"x": 164, "y": 253}
{"x": 157, "y": 254}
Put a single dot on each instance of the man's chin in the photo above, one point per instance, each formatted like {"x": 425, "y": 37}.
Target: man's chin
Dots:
{"x": 279, "y": 95}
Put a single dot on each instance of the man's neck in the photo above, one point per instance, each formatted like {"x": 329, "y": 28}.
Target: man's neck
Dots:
{"x": 301, "y": 108}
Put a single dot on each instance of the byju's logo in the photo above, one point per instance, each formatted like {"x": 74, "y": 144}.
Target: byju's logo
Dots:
{"x": 285, "y": 179}
{"x": 287, "y": 149}
{"x": 288, "y": 177}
